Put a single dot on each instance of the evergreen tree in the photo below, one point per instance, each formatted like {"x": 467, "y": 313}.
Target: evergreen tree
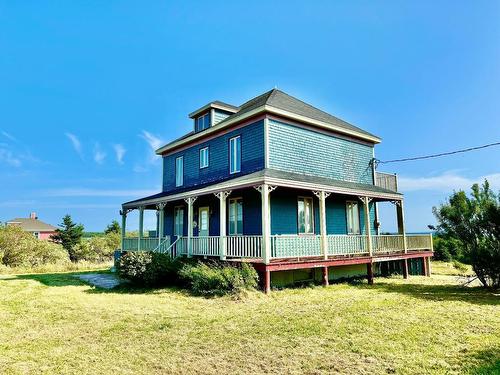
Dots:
{"x": 69, "y": 236}
{"x": 114, "y": 227}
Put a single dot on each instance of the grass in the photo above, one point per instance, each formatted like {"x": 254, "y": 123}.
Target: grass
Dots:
{"x": 63, "y": 267}
{"x": 448, "y": 268}
{"x": 53, "y": 323}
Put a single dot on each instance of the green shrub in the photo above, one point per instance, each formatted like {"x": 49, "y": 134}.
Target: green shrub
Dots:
{"x": 22, "y": 249}
{"x": 219, "y": 279}
{"x": 150, "y": 269}
{"x": 97, "y": 249}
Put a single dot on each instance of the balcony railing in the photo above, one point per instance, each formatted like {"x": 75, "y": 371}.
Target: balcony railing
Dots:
{"x": 386, "y": 180}
{"x": 283, "y": 246}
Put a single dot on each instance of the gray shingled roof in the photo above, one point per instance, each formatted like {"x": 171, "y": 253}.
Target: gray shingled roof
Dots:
{"x": 31, "y": 225}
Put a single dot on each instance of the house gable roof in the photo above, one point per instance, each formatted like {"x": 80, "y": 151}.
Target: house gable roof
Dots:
{"x": 280, "y": 103}
{"x": 31, "y": 225}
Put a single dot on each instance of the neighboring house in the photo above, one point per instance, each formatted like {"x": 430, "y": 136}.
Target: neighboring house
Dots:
{"x": 283, "y": 185}
{"x": 40, "y": 230}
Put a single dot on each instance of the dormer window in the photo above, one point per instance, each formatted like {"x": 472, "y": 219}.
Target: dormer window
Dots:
{"x": 202, "y": 122}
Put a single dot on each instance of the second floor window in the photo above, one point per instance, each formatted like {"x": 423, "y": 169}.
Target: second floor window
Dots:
{"x": 235, "y": 155}
{"x": 203, "y": 122}
{"x": 352, "y": 213}
{"x": 204, "y": 157}
{"x": 305, "y": 213}
{"x": 179, "y": 171}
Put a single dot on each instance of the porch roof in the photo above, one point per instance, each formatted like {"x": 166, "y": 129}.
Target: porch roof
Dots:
{"x": 277, "y": 178}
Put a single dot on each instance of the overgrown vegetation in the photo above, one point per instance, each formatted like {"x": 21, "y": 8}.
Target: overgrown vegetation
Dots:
{"x": 69, "y": 235}
{"x": 474, "y": 223}
{"x": 207, "y": 279}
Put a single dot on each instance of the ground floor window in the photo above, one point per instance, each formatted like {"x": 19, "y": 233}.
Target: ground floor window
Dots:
{"x": 352, "y": 214}
{"x": 235, "y": 216}
{"x": 305, "y": 215}
{"x": 178, "y": 221}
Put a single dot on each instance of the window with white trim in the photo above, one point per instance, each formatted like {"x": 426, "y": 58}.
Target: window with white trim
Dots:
{"x": 235, "y": 154}
{"x": 202, "y": 122}
{"x": 203, "y": 157}
{"x": 179, "y": 171}
{"x": 235, "y": 216}
{"x": 352, "y": 215}
{"x": 305, "y": 214}
{"x": 178, "y": 221}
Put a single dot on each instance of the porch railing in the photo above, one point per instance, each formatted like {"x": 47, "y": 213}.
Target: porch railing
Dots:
{"x": 206, "y": 245}
{"x": 147, "y": 243}
{"x": 340, "y": 244}
{"x": 388, "y": 243}
{"x": 386, "y": 180}
{"x": 295, "y": 246}
{"x": 243, "y": 246}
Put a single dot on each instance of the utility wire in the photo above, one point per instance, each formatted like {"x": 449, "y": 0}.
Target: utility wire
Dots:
{"x": 377, "y": 162}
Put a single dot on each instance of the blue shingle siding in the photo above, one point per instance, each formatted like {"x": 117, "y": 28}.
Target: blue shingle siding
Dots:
{"x": 252, "y": 159}
{"x": 298, "y": 150}
{"x": 219, "y": 115}
{"x": 336, "y": 220}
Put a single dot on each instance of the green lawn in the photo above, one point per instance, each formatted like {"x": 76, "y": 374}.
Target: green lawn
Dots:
{"x": 53, "y": 323}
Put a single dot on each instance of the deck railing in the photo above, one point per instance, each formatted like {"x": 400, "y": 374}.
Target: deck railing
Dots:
{"x": 345, "y": 244}
{"x": 243, "y": 246}
{"x": 295, "y": 246}
{"x": 386, "y": 180}
{"x": 283, "y": 246}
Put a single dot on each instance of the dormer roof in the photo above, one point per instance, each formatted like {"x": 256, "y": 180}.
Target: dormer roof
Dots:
{"x": 216, "y": 105}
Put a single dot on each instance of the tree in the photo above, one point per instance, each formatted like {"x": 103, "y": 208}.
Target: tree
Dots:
{"x": 69, "y": 236}
{"x": 475, "y": 222}
{"x": 114, "y": 227}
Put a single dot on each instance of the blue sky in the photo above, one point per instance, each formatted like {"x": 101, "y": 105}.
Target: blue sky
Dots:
{"x": 89, "y": 88}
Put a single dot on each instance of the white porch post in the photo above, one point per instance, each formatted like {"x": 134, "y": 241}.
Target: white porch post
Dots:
{"x": 265, "y": 190}
{"x": 123, "y": 213}
{"x": 401, "y": 222}
{"x": 141, "y": 227}
{"x": 222, "y": 195}
{"x": 190, "y": 202}
{"x": 322, "y": 195}
{"x": 368, "y": 227}
{"x": 161, "y": 220}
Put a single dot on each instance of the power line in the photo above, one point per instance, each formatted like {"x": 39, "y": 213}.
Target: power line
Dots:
{"x": 377, "y": 162}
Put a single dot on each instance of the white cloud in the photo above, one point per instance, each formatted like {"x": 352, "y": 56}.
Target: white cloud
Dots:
{"x": 8, "y": 136}
{"x": 446, "y": 182}
{"x": 99, "y": 155}
{"x": 153, "y": 142}
{"x": 85, "y": 192}
{"x": 76, "y": 143}
{"x": 119, "y": 152}
{"x": 6, "y": 156}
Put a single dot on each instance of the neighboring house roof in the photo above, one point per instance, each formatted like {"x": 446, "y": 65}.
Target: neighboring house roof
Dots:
{"x": 32, "y": 225}
{"x": 273, "y": 176}
{"x": 280, "y": 103}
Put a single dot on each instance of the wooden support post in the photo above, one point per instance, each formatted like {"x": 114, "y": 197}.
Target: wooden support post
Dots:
{"x": 369, "y": 272}
{"x": 325, "y": 276}
{"x": 141, "y": 228}
{"x": 368, "y": 227}
{"x": 265, "y": 191}
{"x": 322, "y": 195}
{"x": 161, "y": 221}
{"x": 267, "y": 281}
{"x": 123, "y": 213}
{"x": 401, "y": 223}
{"x": 190, "y": 201}
{"x": 424, "y": 263}
{"x": 404, "y": 264}
{"x": 428, "y": 266}
{"x": 222, "y": 195}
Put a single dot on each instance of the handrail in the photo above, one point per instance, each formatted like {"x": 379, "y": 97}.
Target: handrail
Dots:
{"x": 158, "y": 248}
{"x": 169, "y": 249}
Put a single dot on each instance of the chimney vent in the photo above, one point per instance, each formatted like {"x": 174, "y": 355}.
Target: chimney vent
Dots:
{"x": 33, "y": 215}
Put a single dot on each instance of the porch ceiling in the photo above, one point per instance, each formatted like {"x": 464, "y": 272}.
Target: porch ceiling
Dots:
{"x": 277, "y": 178}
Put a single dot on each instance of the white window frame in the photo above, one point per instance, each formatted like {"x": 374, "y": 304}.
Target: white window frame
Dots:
{"x": 233, "y": 154}
{"x": 176, "y": 227}
{"x": 303, "y": 198}
{"x": 349, "y": 204}
{"x": 200, "y": 209}
{"x": 179, "y": 175}
{"x": 205, "y": 119}
{"x": 204, "y": 151}
{"x": 36, "y": 234}
{"x": 230, "y": 203}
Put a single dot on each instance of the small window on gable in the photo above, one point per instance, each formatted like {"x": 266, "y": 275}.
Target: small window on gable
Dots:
{"x": 204, "y": 157}
{"x": 235, "y": 155}
{"x": 202, "y": 122}
{"x": 179, "y": 171}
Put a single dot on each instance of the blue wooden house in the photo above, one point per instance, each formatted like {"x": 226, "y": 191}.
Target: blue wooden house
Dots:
{"x": 283, "y": 185}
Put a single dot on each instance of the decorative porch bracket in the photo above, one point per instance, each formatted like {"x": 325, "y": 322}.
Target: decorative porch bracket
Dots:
{"x": 222, "y": 195}
{"x": 401, "y": 221}
{"x": 160, "y": 211}
{"x": 322, "y": 195}
{"x": 123, "y": 214}
{"x": 265, "y": 191}
{"x": 190, "y": 201}
{"x": 368, "y": 228}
